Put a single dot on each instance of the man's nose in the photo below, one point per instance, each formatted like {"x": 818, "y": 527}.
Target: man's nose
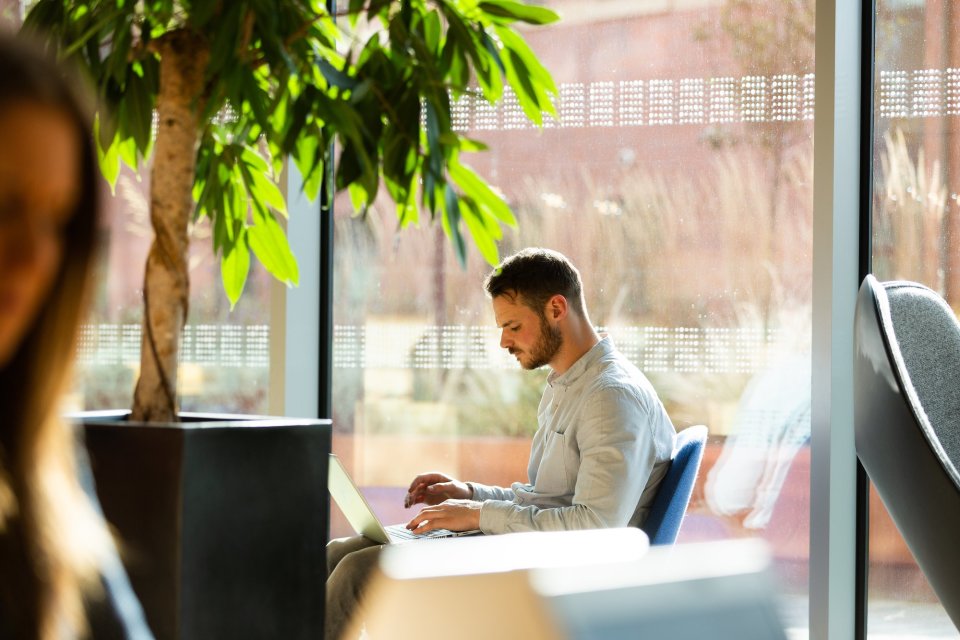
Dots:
{"x": 504, "y": 342}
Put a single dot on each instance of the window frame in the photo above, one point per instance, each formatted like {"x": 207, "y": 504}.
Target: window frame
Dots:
{"x": 303, "y": 317}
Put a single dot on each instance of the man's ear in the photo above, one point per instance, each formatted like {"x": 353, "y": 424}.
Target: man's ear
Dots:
{"x": 557, "y": 307}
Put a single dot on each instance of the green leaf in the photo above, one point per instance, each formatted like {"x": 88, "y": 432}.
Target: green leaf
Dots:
{"x": 109, "y": 159}
{"x": 360, "y": 92}
{"x": 269, "y": 243}
{"x": 223, "y": 48}
{"x": 470, "y": 145}
{"x": 355, "y": 7}
{"x": 518, "y": 11}
{"x": 459, "y": 73}
{"x": 383, "y": 98}
{"x": 230, "y": 208}
{"x": 266, "y": 191}
{"x": 336, "y": 77}
{"x": 527, "y": 94}
{"x": 489, "y": 81}
{"x": 359, "y": 198}
{"x": 307, "y": 156}
{"x": 351, "y": 168}
{"x": 256, "y": 97}
{"x": 161, "y": 11}
{"x": 199, "y": 193}
{"x": 512, "y": 41}
{"x": 252, "y": 158}
{"x": 222, "y": 232}
{"x": 136, "y": 111}
{"x": 151, "y": 75}
{"x": 43, "y": 15}
{"x": 407, "y": 212}
{"x": 240, "y": 203}
{"x": 431, "y": 31}
{"x": 234, "y": 267}
{"x": 376, "y": 7}
{"x": 127, "y": 148}
{"x": 435, "y": 163}
{"x": 475, "y": 187}
{"x": 300, "y": 110}
{"x": 73, "y": 42}
{"x": 118, "y": 57}
{"x": 202, "y": 11}
{"x": 481, "y": 234}
{"x": 451, "y": 225}
{"x": 491, "y": 48}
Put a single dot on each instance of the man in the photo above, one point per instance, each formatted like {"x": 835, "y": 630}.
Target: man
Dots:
{"x": 600, "y": 451}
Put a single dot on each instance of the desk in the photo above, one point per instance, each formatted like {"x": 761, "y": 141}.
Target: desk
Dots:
{"x": 480, "y": 586}
{"x": 584, "y": 585}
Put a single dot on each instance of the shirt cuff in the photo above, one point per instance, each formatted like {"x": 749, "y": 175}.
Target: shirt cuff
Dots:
{"x": 483, "y": 492}
{"x": 494, "y": 515}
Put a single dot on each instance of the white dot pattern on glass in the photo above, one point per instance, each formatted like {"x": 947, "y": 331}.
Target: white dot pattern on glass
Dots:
{"x": 653, "y": 349}
{"x": 652, "y": 102}
{"x": 221, "y": 345}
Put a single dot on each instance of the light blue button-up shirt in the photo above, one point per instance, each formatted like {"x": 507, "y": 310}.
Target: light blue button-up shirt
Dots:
{"x": 598, "y": 456}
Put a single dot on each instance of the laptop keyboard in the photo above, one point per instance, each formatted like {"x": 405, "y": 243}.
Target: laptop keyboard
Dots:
{"x": 400, "y": 532}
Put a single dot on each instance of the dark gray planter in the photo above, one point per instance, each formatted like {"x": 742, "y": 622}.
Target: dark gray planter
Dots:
{"x": 223, "y": 520}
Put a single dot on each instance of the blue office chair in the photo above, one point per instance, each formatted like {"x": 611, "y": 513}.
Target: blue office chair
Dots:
{"x": 906, "y": 379}
{"x": 666, "y": 513}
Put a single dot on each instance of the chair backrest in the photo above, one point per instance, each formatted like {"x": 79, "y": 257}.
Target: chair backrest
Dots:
{"x": 666, "y": 513}
{"x": 907, "y": 421}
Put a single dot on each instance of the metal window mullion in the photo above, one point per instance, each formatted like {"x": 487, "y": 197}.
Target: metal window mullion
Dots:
{"x": 865, "y": 266}
{"x": 835, "y": 270}
{"x": 302, "y": 310}
{"x": 308, "y": 308}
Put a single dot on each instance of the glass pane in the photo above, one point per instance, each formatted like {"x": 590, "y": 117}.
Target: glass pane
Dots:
{"x": 679, "y": 179}
{"x": 916, "y": 178}
{"x": 225, "y": 360}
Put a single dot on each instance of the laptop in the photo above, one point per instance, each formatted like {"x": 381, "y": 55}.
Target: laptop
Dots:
{"x": 362, "y": 518}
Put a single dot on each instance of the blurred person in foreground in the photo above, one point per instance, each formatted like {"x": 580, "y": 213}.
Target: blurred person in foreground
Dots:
{"x": 601, "y": 449}
{"x": 58, "y": 566}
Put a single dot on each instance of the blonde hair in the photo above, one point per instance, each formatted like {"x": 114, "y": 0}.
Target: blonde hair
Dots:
{"x": 51, "y": 538}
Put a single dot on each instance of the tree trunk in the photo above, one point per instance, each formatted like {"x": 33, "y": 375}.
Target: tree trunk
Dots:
{"x": 166, "y": 286}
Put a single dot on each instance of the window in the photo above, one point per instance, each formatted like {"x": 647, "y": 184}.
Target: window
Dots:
{"x": 225, "y": 355}
{"x": 916, "y": 166}
{"x": 225, "y": 359}
{"x": 678, "y": 178}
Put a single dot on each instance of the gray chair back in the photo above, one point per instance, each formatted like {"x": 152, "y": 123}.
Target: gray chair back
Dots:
{"x": 907, "y": 421}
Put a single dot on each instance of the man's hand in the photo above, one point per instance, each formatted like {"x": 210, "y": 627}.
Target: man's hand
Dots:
{"x": 433, "y": 488}
{"x": 455, "y": 515}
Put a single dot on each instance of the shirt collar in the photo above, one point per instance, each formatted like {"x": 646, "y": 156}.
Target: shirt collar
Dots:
{"x": 579, "y": 367}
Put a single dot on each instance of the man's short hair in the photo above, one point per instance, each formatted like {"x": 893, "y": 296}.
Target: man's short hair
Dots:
{"x": 535, "y": 275}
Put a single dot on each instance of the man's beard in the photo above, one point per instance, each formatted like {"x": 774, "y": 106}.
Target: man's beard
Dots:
{"x": 546, "y": 347}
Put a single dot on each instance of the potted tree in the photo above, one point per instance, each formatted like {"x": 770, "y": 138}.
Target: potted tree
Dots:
{"x": 217, "y": 95}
